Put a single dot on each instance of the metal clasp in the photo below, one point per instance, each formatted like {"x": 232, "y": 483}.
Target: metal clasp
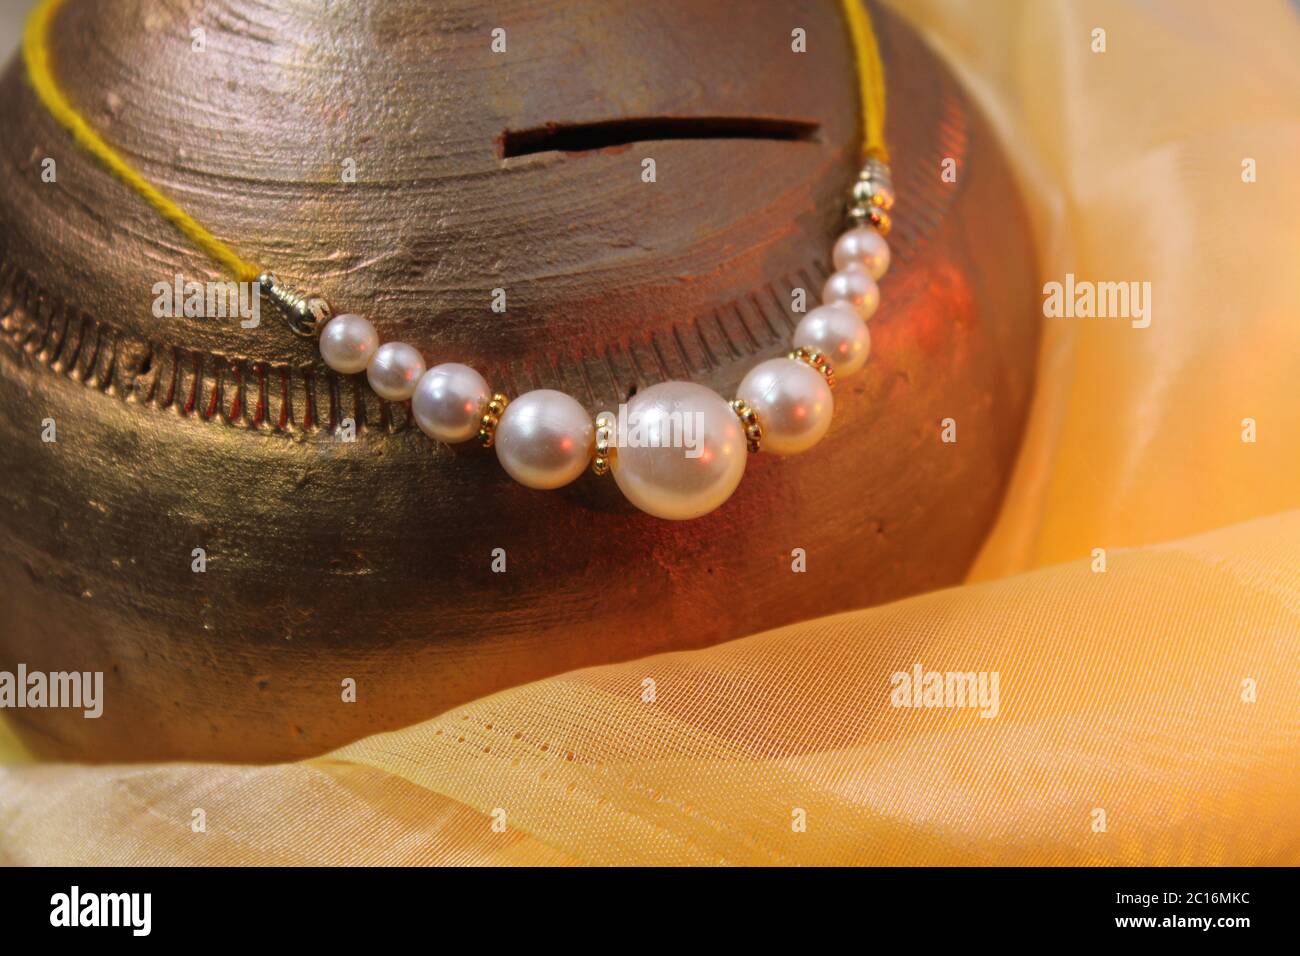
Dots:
{"x": 305, "y": 313}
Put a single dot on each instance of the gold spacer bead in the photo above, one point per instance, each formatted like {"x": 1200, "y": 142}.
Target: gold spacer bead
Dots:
{"x": 817, "y": 360}
{"x": 604, "y": 457}
{"x": 865, "y": 214}
{"x": 871, "y": 192}
{"x": 487, "y": 431}
{"x": 875, "y": 185}
{"x": 749, "y": 421}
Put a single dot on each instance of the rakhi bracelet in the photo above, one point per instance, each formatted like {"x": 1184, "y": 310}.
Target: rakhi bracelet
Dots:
{"x": 688, "y": 447}
{"x": 678, "y": 449}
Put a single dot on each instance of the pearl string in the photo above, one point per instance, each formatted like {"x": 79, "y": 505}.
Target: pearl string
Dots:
{"x": 545, "y": 439}
{"x": 691, "y": 444}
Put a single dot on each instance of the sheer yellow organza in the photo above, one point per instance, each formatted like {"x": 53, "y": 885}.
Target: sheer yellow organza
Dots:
{"x": 1158, "y": 697}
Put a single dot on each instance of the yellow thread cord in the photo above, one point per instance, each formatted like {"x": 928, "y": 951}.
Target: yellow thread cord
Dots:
{"x": 36, "y": 51}
{"x": 871, "y": 79}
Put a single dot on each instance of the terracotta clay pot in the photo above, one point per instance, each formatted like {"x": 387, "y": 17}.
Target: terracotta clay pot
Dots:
{"x": 372, "y": 560}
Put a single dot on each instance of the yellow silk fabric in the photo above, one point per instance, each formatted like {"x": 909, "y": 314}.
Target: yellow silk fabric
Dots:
{"x": 1119, "y": 692}
{"x": 1147, "y": 713}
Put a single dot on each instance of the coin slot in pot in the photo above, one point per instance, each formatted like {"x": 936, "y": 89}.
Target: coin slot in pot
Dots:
{"x": 603, "y": 134}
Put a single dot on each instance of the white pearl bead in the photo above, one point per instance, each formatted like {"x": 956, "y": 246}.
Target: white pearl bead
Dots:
{"x": 864, "y": 246}
{"x": 684, "y": 451}
{"x": 793, "y": 403}
{"x": 449, "y": 402}
{"x": 855, "y": 286}
{"x": 394, "y": 371}
{"x": 836, "y": 331}
{"x": 545, "y": 439}
{"x": 347, "y": 343}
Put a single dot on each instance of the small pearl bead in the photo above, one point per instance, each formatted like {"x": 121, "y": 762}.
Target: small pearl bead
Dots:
{"x": 855, "y": 286}
{"x": 792, "y": 401}
{"x": 865, "y": 247}
{"x": 394, "y": 371}
{"x": 347, "y": 342}
{"x": 449, "y": 401}
{"x": 684, "y": 452}
{"x": 836, "y": 331}
{"x": 545, "y": 439}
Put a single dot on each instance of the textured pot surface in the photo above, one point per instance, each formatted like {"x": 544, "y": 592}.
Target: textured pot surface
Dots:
{"x": 373, "y": 559}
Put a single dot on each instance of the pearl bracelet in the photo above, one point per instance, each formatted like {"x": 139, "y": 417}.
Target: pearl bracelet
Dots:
{"x": 678, "y": 450}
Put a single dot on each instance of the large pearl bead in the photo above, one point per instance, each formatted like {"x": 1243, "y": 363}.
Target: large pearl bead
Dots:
{"x": 449, "y": 402}
{"x": 863, "y": 246}
{"x": 793, "y": 402}
{"x": 836, "y": 331}
{"x": 855, "y": 286}
{"x": 347, "y": 343}
{"x": 394, "y": 371}
{"x": 545, "y": 439}
{"x": 681, "y": 450}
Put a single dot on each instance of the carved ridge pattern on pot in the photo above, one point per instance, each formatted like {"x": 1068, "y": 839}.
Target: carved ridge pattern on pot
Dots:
{"x": 306, "y": 400}
{"x": 927, "y": 207}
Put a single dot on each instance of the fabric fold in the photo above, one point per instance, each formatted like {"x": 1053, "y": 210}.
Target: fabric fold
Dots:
{"x": 1141, "y": 714}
